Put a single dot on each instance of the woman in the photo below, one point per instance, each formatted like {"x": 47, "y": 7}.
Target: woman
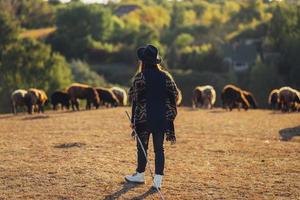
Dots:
{"x": 154, "y": 95}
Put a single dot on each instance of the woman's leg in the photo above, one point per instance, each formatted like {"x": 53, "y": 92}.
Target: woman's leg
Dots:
{"x": 158, "y": 144}
{"x": 142, "y": 161}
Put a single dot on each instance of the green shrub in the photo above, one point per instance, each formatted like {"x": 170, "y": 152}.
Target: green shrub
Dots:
{"x": 82, "y": 73}
{"x": 29, "y": 63}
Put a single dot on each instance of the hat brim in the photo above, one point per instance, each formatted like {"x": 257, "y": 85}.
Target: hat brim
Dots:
{"x": 141, "y": 56}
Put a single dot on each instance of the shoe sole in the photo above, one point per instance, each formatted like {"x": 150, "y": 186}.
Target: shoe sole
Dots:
{"x": 134, "y": 181}
{"x": 154, "y": 188}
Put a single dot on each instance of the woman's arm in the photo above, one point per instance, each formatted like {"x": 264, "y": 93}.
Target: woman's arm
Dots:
{"x": 136, "y": 89}
{"x": 172, "y": 89}
{"x": 132, "y": 102}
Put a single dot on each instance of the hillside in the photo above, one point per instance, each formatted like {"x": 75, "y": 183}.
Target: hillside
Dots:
{"x": 84, "y": 155}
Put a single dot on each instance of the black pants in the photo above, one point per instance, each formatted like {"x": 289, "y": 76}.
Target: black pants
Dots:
{"x": 158, "y": 144}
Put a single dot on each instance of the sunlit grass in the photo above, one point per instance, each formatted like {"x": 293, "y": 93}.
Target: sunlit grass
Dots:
{"x": 37, "y": 33}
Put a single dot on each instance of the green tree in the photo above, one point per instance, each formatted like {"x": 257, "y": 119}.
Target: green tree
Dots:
{"x": 78, "y": 26}
{"x": 29, "y": 13}
{"x": 283, "y": 23}
{"x": 83, "y": 74}
{"x": 263, "y": 79}
{"x": 8, "y": 30}
{"x": 60, "y": 73}
{"x": 183, "y": 40}
{"x": 29, "y": 63}
{"x": 254, "y": 9}
{"x": 284, "y": 36}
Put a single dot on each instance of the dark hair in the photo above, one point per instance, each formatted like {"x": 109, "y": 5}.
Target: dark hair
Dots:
{"x": 142, "y": 66}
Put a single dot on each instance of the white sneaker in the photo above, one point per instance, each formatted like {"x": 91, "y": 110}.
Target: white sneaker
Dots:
{"x": 136, "y": 178}
{"x": 157, "y": 181}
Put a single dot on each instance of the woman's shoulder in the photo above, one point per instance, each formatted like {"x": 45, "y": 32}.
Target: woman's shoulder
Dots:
{"x": 139, "y": 78}
{"x": 168, "y": 75}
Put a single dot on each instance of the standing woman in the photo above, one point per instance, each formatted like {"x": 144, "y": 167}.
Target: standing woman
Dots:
{"x": 154, "y": 95}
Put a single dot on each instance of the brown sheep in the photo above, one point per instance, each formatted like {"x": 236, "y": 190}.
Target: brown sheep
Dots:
{"x": 80, "y": 91}
{"x": 273, "y": 99}
{"x": 251, "y": 99}
{"x": 36, "y": 97}
{"x": 289, "y": 98}
{"x": 232, "y": 97}
{"x": 60, "y": 97}
{"x": 107, "y": 97}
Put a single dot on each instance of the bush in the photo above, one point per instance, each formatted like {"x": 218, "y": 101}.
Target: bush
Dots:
{"x": 82, "y": 73}
{"x": 205, "y": 58}
{"x": 79, "y": 26}
{"x": 263, "y": 79}
{"x": 183, "y": 40}
{"x": 29, "y": 63}
{"x": 117, "y": 73}
{"x": 8, "y": 30}
{"x": 30, "y": 13}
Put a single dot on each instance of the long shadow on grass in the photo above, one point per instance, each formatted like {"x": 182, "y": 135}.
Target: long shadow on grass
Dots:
{"x": 31, "y": 117}
{"x": 288, "y": 133}
{"x": 69, "y": 145}
{"x": 146, "y": 194}
{"x": 218, "y": 111}
{"x": 126, "y": 187}
{"x": 6, "y": 116}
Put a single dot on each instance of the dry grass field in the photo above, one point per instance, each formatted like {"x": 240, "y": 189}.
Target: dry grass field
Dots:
{"x": 85, "y": 155}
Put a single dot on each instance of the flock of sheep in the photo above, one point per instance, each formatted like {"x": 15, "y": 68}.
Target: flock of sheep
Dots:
{"x": 35, "y": 99}
{"x": 285, "y": 99}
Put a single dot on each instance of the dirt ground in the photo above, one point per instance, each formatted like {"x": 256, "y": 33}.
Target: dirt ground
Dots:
{"x": 85, "y": 155}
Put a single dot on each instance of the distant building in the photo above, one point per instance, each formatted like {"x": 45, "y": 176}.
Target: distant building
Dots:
{"x": 241, "y": 55}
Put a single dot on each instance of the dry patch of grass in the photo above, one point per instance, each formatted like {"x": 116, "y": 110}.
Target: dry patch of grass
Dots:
{"x": 219, "y": 155}
{"x": 38, "y": 33}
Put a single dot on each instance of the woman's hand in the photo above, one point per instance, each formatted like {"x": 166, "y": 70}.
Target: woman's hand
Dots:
{"x": 171, "y": 138}
{"x": 133, "y": 135}
{"x": 132, "y": 126}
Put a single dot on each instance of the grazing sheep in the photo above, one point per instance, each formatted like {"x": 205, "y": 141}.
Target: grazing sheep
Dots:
{"x": 80, "y": 91}
{"x": 288, "y": 99}
{"x": 18, "y": 99}
{"x": 107, "y": 97}
{"x": 204, "y": 96}
{"x": 60, "y": 97}
{"x": 35, "y": 97}
{"x": 232, "y": 97}
{"x": 121, "y": 95}
{"x": 273, "y": 99}
{"x": 251, "y": 99}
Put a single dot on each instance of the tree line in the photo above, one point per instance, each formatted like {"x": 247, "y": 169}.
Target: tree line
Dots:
{"x": 191, "y": 36}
